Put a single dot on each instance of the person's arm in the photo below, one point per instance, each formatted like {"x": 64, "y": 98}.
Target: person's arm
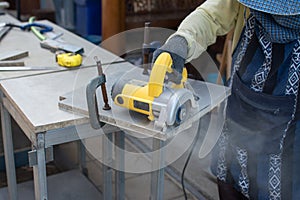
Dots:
{"x": 204, "y": 24}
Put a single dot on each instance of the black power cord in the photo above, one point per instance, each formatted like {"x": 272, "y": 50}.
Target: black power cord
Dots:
{"x": 189, "y": 157}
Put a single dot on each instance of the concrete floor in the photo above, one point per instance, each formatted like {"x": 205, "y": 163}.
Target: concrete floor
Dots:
{"x": 70, "y": 185}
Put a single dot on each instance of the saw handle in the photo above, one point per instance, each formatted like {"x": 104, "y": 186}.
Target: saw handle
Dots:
{"x": 162, "y": 66}
{"x": 92, "y": 102}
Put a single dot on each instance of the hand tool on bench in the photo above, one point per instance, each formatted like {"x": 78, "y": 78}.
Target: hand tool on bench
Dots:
{"x": 103, "y": 87}
{"x": 26, "y": 27}
{"x": 92, "y": 97}
{"x": 68, "y": 60}
{"x": 6, "y": 27}
{"x": 54, "y": 45}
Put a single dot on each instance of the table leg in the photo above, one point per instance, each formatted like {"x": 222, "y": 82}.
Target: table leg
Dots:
{"x": 107, "y": 162}
{"x": 157, "y": 176}
{"x": 39, "y": 170}
{"x": 82, "y": 157}
{"x": 8, "y": 153}
{"x": 120, "y": 160}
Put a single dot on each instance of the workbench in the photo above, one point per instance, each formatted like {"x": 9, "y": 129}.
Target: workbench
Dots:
{"x": 34, "y": 106}
{"x": 18, "y": 40}
{"x": 211, "y": 95}
{"x": 47, "y": 125}
{"x": 42, "y": 122}
{"x": 33, "y": 99}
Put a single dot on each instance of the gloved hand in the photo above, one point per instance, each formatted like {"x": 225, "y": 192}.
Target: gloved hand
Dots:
{"x": 177, "y": 47}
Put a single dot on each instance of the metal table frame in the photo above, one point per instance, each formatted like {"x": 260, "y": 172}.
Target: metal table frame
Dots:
{"x": 40, "y": 155}
{"x": 42, "y": 141}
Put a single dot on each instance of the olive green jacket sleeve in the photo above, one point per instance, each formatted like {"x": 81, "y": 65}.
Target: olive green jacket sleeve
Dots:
{"x": 213, "y": 18}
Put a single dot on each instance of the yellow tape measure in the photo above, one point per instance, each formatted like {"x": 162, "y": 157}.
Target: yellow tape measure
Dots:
{"x": 69, "y": 59}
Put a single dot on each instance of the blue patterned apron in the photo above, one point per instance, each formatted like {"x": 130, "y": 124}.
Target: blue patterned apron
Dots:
{"x": 259, "y": 148}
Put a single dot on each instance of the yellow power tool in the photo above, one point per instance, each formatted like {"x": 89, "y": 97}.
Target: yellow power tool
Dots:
{"x": 167, "y": 104}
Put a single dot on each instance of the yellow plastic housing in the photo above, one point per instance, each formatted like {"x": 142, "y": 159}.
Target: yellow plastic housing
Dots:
{"x": 162, "y": 65}
{"x": 139, "y": 96}
{"x": 136, "y": 98}
{"x": 69, "y": 59}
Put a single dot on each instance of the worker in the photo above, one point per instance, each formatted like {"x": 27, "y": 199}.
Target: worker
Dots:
{"x": 259, "y": 148}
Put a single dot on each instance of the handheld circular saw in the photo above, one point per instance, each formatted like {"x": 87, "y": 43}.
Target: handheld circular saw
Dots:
{"x": 165, "y": 103}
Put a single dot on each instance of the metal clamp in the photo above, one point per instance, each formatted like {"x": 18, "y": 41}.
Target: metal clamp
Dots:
{"x": 91, "y": 96}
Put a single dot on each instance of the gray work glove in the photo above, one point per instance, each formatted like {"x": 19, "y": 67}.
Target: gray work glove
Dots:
{"x": 177, "y": 47}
